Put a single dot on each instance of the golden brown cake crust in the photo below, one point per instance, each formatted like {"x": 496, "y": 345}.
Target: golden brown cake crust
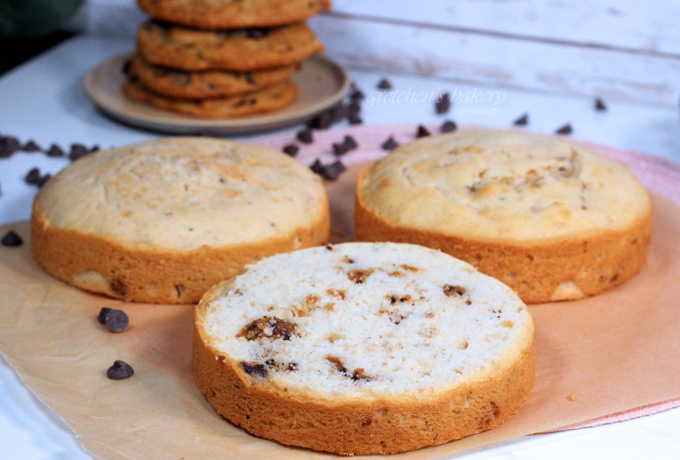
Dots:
{"x": 204, "y": 85}
{"x": 241, "y": 50}
{"x": 264, "y": 100}
{"x": 155, "y": 275}
{"x": 380, "y": 426}
{"x": 548, "y": 270}
{"x": 220, "y": 14}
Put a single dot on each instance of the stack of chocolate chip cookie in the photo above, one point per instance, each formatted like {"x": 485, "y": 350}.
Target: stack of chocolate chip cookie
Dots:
{"x": 221, "y": 58}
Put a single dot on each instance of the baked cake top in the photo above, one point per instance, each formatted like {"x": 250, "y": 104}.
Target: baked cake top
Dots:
{"x": 363, "y": 318}
{"x": 183, "y": 193}
{"x": 503, "y": 184}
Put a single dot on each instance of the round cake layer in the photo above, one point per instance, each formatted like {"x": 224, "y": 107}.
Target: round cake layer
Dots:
{"x": 373, "y": 340}
{"x": 221, "y": 14}
{"x": 162, "y": 221}
{"x": 550, "y": 218}
{"x": 236, "y": 50}
{"x": 204, "y": 85}
{"x": 263, "y": 100}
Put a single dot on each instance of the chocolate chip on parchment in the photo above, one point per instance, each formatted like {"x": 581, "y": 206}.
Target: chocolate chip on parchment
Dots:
{"x": 356, "y": 95}
{"x": 12, "y": 239}
{"x": 32, "y": 177}
{"x": 54, "y": 151}
{"x": 339, "y": 149}
{"x": 334, "y": 170}
{"x": 102, "y": 314}
{"x": 291, "y": 150}
{"x": 350, "y": 143}
{"x": 522, "y": 121}
{"x": 422, "y": 132}
{"x": 566, "y": 129}
{"x": 384, "y": 84}
{"x": 305, "y": 136}
{"x": 390, "y": 144}
{"x": 116, "y": 320}
{"x": 95, "y": 148}
{"x": 443, "y": 103}
{"x": 448, "y": 127}
{"x": 600, "y": 105}
{"x": 120, "y": 371}
{"x": 77, "y": 151}
{"x": 31, "y": 146}
{"x": 318, "y": 167}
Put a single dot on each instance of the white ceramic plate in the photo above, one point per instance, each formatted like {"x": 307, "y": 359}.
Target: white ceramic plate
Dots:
{"x": 322, "y": 83}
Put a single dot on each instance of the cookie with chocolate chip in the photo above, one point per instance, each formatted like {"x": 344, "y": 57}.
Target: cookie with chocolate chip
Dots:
{"x": 180, "y": 84}
{"x": 192, "y": 50}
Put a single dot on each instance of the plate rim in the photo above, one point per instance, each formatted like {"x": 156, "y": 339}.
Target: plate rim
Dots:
{"x": 185, "y": 124}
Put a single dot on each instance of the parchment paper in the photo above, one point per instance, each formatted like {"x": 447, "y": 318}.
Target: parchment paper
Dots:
{"x": 617, "y": 353}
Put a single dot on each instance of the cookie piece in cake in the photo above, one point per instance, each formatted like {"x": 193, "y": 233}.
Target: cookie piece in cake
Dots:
{"x": 221, "y": 14}
{"x": 550, "y": 218}
{"x": 179, "y": 84}
{"x": 264, "y": 100}
{"x": 163, "y": 221}
{"x": 363, "y": 348}
{"x": 180, "y": 48}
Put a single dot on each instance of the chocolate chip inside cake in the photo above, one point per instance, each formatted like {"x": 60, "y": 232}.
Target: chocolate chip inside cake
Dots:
{"x": 363, "y": 348}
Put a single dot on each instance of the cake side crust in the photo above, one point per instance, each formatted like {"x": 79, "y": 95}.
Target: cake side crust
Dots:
{"x": 155, "y": 275}
{"x": 547, "y": 270}
{"x": 355, "y": 426}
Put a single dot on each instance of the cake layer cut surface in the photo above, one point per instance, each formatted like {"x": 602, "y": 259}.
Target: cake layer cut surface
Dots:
{"x": 369, "y": 338}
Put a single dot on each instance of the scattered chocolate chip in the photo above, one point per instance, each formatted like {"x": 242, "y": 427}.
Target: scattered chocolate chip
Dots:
{"x": 443, "y": 103}
{"x": 422, "y": 132}
{"x": 95, "y": 148}
{"x": 12, "y": 239}
{"x": 339, "y": 149}
{"x": 8, "y": 146}
{"x": 522, "y": 121}
{"x": 102, "y": 314}
{"x": 384, "y": 84}
{"x": 354, "y": 119}
{"x": 116, "y": 320}
{"x": 43, "y": 180}
{"x": 350, "y": 143}
{"x": 305, "y": 136}
{"x": 317, "y": 167}
{"x": 566, "y": 129}
{"x": 599, "y": 105}
{"x": 31, "y": 146}
{"x": 54, "y": 151}
{"x": 390, "y": 144}
{"x": 291, "y": 150}
{"x": 353, "y": 107}
{"x": 357, "y": 95}
{"x": 33, "y": 177}
{"x": 322, "y": 121}
{"x": 448, "y": 127}
{"x": 334, "y": 170}
{"x": 120, "y": 371}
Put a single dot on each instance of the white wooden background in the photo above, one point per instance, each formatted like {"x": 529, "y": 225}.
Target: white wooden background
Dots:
{"x": 615, "y": 49}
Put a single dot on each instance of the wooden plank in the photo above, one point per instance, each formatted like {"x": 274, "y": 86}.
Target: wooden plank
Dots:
{"x": 501, "y": 60}
{"x": 650, "y": 25}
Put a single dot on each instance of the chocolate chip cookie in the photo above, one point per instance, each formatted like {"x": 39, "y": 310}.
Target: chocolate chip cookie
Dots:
{"x": 268, "y": 99}
{"x": 204, "y": 85}
{"x": 236, "y": 50}
{"x": 229, "y": 14}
